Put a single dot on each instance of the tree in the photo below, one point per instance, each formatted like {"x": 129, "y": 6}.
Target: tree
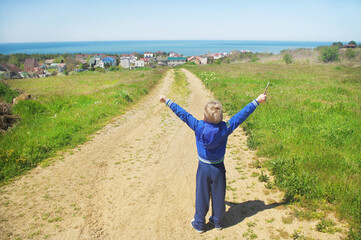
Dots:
{"x": 287, "y": 58}
{"x": 352, "y": 43}
{"x": 70, "y": 62}
{"x": 337, "y": 44}
{"x": 58, "y": 60}
{"x": 329, "y": 54}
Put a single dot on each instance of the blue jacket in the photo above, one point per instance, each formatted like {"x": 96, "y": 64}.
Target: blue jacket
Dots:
{"x": 211, "y": 139}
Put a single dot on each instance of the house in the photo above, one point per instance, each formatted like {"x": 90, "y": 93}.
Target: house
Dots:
{"x": 99, "y": 55}
{"x": 175, "y": 61}
{"x": 349, "y": 46}
{"x": 94, "y": 61}
{"x": 11, "y": 67}
{"x": 82, "y": 56}
{"x": 148, "y": 55}
{"x": 125, "y": 62}
{"x": 29, "y": 65}
{"x": 195, "y": 59}
{"x": 48, "y": 61}
{"x": 139, "y": 63}
{"x": 204, "y": 59}
{"x": 159, "y": 53}
{"x": 162, "y": 61}
{"x": 107, "y": 61}
{"x": 59, "y": 66}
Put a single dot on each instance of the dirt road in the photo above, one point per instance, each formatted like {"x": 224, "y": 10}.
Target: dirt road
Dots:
{"x": 136, "y": 180}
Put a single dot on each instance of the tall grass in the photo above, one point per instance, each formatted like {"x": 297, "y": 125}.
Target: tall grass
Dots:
{"x": 65, "y": 111}
{"x": 310, "y": 127}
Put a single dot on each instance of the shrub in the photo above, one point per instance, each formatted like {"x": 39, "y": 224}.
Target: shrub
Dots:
{"x": 337, "y": 44}
{"x": 287, "y": 58}
{"x": 7, "y": 93}
{"x": 329, "y": 54}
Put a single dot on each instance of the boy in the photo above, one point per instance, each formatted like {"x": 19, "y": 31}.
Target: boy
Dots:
{"x": 211, "y": 140}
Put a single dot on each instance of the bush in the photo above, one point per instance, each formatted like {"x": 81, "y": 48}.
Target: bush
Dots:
{"x": 287, "y": 58}
{"x": 329, "y": 54}
{"x": 99, "y": 69}
{"x": 6, "y": 93}
{"x": 337, "y": 44}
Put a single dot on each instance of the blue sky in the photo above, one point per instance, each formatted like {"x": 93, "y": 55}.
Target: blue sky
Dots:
{"x": 96, "y": 20}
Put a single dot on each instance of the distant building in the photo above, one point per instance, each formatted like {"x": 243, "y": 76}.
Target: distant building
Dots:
{"x": 175, "y": 61}
{"x": 107, "y": 61}
{"x": 49, "y": 61}
{"x": 349, "y": 46}
{"x": 204, "y": 60}
{"x": 139, "y": 63}
{"x": 94, "y": 62}
{"x": 159, "y": 53}
{"x": 30, "y": 64}
{"x": 148, "y": 55}
{"x": 162, "y": 61}
{"x": 59, "y": 66}
{"x": 11, "y": 67}
{"x": 195, "y": 59}
{"x": 125, "y": 62}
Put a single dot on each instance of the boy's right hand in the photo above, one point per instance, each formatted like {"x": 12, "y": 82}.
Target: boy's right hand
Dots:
{"x": 261, "y": 98}
{"x": 162, "y": 98}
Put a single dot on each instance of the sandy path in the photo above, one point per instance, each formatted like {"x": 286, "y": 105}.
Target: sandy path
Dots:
{"x": 136, "y": 180}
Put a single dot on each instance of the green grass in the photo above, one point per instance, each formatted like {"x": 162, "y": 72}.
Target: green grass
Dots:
{"x": 65, "y": 111}
{"x": 310, "y": 127}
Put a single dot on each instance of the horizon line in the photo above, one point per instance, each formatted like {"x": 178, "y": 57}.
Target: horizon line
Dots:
{"x": 176, "y": 40}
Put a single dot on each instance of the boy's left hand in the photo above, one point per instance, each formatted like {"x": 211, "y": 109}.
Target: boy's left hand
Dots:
{"x": 162, "y": 98}
{"x": 262, "y": 98}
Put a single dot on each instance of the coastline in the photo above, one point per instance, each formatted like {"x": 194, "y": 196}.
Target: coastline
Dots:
{"x": 185, "y": 47}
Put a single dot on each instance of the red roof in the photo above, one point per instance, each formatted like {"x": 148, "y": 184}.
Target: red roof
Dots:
{"x": 12, "y": 68}
{"x": 82, "y": 56}
{"x": 29, "y": 64}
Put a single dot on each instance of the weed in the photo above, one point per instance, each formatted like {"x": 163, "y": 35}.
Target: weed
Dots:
{"x": 327, "y": 226}
{"x": 251, "y": 224}
{"x": 297, "y": 235}
{"x": 55, "y": 219}
{"x": 263, "y": 177}
{"x": 287, "y": 220}
{"x": 269, "y": 185}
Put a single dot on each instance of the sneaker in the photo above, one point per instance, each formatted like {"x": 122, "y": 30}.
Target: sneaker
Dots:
{"x": 211, "y": 221}
{"x": 198, "y": 230}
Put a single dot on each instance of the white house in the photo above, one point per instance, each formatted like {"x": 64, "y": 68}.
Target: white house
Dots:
{"x": 139, "y": 63}
{"x": 125, "y": 62}
{"x": 148, "y": 55}
{"x": 204, "y": 60}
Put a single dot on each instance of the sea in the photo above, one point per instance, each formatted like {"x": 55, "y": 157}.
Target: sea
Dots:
{"x": 184, "y": 47}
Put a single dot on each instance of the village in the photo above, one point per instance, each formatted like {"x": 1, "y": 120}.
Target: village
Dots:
{"x": 33, "y": 68}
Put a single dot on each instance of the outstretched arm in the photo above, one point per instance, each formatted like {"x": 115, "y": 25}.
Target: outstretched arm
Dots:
{"x": 242, "y": 115}
{"x": 191, "y": 121}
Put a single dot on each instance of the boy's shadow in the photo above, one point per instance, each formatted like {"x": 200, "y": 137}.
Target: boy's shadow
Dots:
{"x": 240, "y": 211}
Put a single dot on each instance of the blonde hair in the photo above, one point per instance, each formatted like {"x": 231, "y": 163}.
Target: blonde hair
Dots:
{"x": 213, "y": 112}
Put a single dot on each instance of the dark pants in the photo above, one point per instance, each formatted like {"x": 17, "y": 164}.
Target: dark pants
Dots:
{"x": 210, "y": 181}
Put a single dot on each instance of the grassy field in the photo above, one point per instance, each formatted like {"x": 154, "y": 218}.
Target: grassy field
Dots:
{"x": 65, "y": 111}
{"x": 310, "y": 127}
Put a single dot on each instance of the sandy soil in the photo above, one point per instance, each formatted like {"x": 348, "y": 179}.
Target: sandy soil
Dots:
{"x": 136, "y": 180}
